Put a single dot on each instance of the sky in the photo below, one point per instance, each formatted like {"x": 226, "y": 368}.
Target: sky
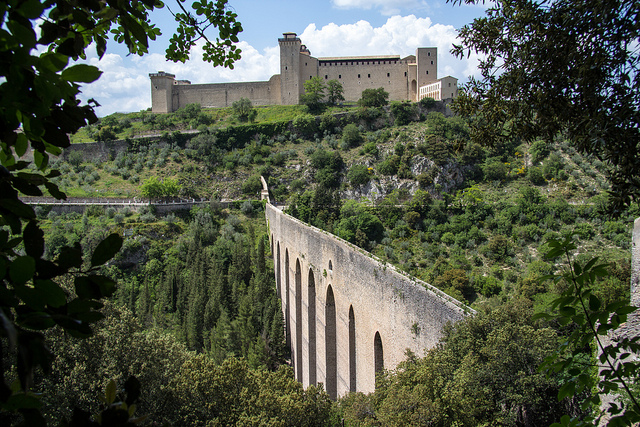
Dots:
{"x": 326, "y": 27}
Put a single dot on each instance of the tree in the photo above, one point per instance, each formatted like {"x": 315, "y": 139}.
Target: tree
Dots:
{"x": 351, "y": 135}
{"x": 402, "y": 112}
{"x": 568, "y": 69}
{"x": 153, "y": 188}
{"x": 39, "y": 107}
{"x": 481, "y": 373}
{"x": 244, "y": 110}
{"x": 358, "y": 175}
{"x": 335, "y": 92}
{"x": 314, "y": 92}
{"x": 374, "y": 98}
{"x": 590, "y": 321}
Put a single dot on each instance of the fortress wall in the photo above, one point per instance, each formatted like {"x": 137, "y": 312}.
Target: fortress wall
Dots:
{"x": 390, "y": 76}
{"x": 225, "y": 94}
{"x": 407, "y": 313}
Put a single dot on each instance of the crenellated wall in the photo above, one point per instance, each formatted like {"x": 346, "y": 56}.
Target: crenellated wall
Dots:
{"x": 347, "y": 314}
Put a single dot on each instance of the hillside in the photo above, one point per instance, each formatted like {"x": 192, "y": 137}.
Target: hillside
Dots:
{"x": 402, "y": 182}
{"x": 468, "y": 219}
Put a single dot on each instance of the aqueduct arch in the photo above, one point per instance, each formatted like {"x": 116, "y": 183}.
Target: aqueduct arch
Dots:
{"x": 347, "y": 314}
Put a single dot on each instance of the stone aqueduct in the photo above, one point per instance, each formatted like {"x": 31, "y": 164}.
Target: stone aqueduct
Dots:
{"x": 347, "y": 314}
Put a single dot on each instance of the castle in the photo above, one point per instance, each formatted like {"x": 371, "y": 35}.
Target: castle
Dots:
{"x": 411, "y": 78}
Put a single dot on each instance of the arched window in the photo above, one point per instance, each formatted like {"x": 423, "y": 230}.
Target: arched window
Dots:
{"x": 330, "y": 337}
{"x": 352, "y": 350}
{"x": 312, "y": 328}
{"x": 278, "y": 273}
{"x": 298, "y": 354}
{"x": 287, "y": 307}
{"x": 378, "y": 354}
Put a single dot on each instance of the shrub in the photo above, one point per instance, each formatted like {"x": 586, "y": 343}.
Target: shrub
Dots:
{"x": 389, "y": 166}
{"x": 305, "y": 124}
{"x": 351, "y": 135}
{"x": 370, "y": 148}
{"x": 534, "y": 174}
{"x": 374, "y": 98}
{"x": 252, "y": 185}
{"x": 494, "y": 170}
{"x": 427, "y": 102}
{"x": 247, "y": 207}
{"x": 358, "y": 175}
{"x": 538, "y": 151}
{"x": 402, "y": 112}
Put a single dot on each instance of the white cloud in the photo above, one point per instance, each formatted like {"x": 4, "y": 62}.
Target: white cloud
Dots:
{"x": 400, "y": 35}
{"x": 125, "y": 86}
{"x": 387, "y": 7}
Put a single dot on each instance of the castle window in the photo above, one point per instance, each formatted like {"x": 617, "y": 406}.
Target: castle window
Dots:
{"x": 431, "y": 62}
{"x": 326, "y": 77}
{"x": 428, "y": 53}
{"x": 310, "y": 77}
{"x": 358, "y": 75}
{"x": 388, "y": 75}
{"x": 285, "y": 68}
{"x": 427, "y": 71}
{"x": 305, "y": 64}
{"x": 449, "y": 84}
{"x": 369, "y": 75}
{"x": 339, "y": 76}
{"x": 405, "y": 74}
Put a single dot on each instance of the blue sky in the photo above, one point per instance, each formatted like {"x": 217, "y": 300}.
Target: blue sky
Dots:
{"x": 327, "y": 27}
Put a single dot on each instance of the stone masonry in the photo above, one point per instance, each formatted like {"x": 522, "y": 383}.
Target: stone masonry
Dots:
{"x": 347, "y": 314}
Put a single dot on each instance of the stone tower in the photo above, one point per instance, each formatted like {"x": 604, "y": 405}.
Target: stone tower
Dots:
{"x": 427, "y": 64}
{"x": 162, "y": 91}
{"x": 290, "y": 83}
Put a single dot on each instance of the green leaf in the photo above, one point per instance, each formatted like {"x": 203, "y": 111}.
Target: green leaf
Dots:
{"x": 31, "y": 9}
{"x": 568, "y": 389}
{"x": 94, "y": 287}
{"x": 21, "y": 400}
{"x": 33, "y": 240}
{"x": 21, "y": 144}
{"x": 55, "y": 191}
{"x": 54, "y": 61}
{"x": 17, "y": 207}
{"x": 86, "y": 289}
{"x": 70, "y": 257}
{"x": 40, "y": 159}
{"x": 22, "y": 269}
{"x": 52, "y": 292}
{"x": 106, "y": 250}
{"x": 82, "y": 73}
{"x": 110, "y": 393}
{"x": 594, "y": 303}
{"x": 37, "y": 320}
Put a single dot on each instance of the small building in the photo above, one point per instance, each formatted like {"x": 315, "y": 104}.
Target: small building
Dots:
{"x": 405, "y": 79}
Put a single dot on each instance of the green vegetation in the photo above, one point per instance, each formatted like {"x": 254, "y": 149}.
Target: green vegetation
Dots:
{"x": 472, "y": 225}
{"x": 244, "y": 111}
{"x": 374, "y": 98}
{"x": 470, "y": 204}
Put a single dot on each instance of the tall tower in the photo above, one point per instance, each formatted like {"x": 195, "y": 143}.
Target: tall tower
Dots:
{"x": 290, "y": 86}
{"x": 427, "y": 62}
{"x": 161, "y": 92}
